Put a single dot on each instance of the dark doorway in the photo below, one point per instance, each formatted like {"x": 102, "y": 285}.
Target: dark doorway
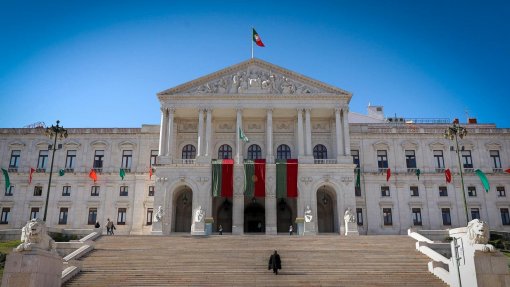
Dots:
{"x": 325, "y": 211}
{"x": 254, "y": 218}
{"x": 223, "y": 207}
{"x": 182, "y": 215}
{"x": 284, "y": 215}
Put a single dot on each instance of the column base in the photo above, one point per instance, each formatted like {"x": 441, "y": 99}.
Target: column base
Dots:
{"x": 198, "y": 229}
{"x": 237, "y": 230}
{"x": 351, "y": 229}
{"x": 157, "y": 228}
{"x": 309, "y": 228}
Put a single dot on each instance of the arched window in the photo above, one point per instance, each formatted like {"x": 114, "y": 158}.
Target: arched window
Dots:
{"x": 320, "y": 152}
{"x": 254, "y": 152}
{"x": 225, "y": 152}
{"x": 283, "y": 152}
{"x": 189, "y": 152}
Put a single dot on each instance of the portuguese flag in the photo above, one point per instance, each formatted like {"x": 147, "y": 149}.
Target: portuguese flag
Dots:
{"x": 255, "y": 178}
{"x": 286, "y": 178}
{"x": 223, "y": 177}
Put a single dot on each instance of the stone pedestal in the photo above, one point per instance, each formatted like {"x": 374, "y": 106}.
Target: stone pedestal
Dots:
{"x": 351, "y": 228}
{"x": 491, "y": 270}
{"x": 157, "y": 228}
{"x": 300, "y": 226}
{"x": 198, "y": 229}
{"x": 32, "y": 269}
{"x": 309, "y": 228}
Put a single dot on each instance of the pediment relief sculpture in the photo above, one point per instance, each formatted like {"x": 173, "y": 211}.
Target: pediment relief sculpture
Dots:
{"x": 127, "y": 145}
{"x": 255, "y": 126}
{"x": 437, "y": 146}
{"x": 99, "y": 144}
{"x": 493, "y": 146}
{"x": 225, "y": 127}
{"x": 16, "y": 145}
{"x": 187, "y": 126}
{"x": 320, "y": 126}
{"x": 283, "y": 126}
{"x": 381, "y": 145}
{"x": 409, "y": 145}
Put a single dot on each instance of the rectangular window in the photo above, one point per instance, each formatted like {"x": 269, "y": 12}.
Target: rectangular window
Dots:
{"x": 467, "y": 161}
{"x": 66, "y": 190}
{"x": 92, "y": 216}
{"x": 43, "y": 159}
{"x": 70, "y": 160}
{"x": 445, "y": 213}
{"x": 94, "y": 190}
{"x": 382, "y": 159}
{"x": 438, "y": 159}
{"x": 414, "y": 191}
{"x": 443, "y": 191}
{"x": 34, "y": 212}
{"x": 475, "y": 213}
{"x": 471, "y": 191}
{"x": 4, "y": 219}
{"x": 124, "y": 191}
{"x": 98, "y": 160}
{"x": 62, "y": 217}
{"x": 154, "y": 156}
{"x": 496, "y": 161}
{"x": 410, "y": 159}
{"x": 505, "y": 216}
{"x": 121, "y": 216}
{"x": 37, "y": 190}
{"x": 385, "y": 191}
{"x": 501, "y": 191}
{"x": 14, "y": 162}
{"x": 359, "y": 216}
{"x": 151, "y": 190}
{"x": 387, "y": 216}
{"x": 355, "y": 157}
{"x": 416, "y": 216}
{"x": 9, "y": 191}
{"x": 127, "y": 156}
{"x": 149, "y": 216}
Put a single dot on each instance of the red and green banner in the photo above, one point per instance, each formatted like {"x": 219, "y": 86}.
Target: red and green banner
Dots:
{"x": 286, "y": 178}
{"x": 255, "y": 178}
{"x": 223, "y": 177}
{"x": 256, "y": 39}
{"x": 484, "y": 180}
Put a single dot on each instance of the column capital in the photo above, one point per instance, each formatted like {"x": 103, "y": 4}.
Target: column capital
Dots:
{"x": 345, "y": 109}
{"x": 308, "y": 110}
{"x": 163, "y": 109}
{"x": 299, "y": 110}
{"x": 338, "y": 109}
{"x": 208, "y": 109}
{"x": 171, "y": 110}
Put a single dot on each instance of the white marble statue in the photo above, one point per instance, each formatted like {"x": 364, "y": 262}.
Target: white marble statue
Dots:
{"x": 308, "y": 214}
{"x": 349, "y": 216}
{"x": 199, "y": 214}
{"x": 34, "y": 236}
{"x": 159, "y": 214}
{"x": 477, "y": 235}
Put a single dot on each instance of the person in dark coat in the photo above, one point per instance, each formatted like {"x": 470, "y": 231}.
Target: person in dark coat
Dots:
{"x": 275, "y": 263}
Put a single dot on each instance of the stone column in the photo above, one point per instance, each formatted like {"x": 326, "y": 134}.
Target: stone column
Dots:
{"x": 170, "y": 135}
{"x": 200, "y": 136}
{"x": 308, "y": 133}
{"x": 270, "y": 200}
{"x": 208, "y": 131}
{"x": 162, "y": 132}
{"x": 238, "y": 201}
{"x": 347, "y": 138}
{"x": 269, "y": 136}
{"x": 239, "y": 124}
{"x": 301, "y": 143}
{"x": 339, "y": 136}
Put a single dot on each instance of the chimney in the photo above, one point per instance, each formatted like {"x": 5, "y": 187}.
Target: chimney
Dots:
{"x": 376, "y": 112}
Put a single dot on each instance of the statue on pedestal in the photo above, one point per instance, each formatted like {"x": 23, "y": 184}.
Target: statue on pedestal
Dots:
{"x": 34, "y": 236}
{"x": 159, "y": 214}
{"x": 308, "y": 214}
{"x": 349, "y": 216}
{"x": 199, "y": 214}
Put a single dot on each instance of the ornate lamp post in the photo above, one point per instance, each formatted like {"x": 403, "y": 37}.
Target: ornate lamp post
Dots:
{"x": 453, "y": 133}
{"x": 57, "y": 132}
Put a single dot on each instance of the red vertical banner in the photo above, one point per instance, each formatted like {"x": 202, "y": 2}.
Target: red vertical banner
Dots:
{"x": 260, "y": 175}
{"x": 227, "y": 178}
{"x": 292, "y": 176}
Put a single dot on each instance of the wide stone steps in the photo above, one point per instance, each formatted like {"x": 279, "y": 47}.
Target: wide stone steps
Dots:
{"x": 242, "y": 261}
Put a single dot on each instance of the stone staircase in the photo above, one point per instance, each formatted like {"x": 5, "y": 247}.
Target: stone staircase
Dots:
{"x": 327, "y": 260}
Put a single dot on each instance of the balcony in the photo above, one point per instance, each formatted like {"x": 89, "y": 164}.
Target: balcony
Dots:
{"x": 13, "y": 169}
{"x": 469, "y": 170}
{"x": 324, "y": 161}
{"x": 439, "y": 169}
{"x": 497, "y": 170}
{"x": 185, "y": 161}
{"x": 70, "y": 170}
{"x": 382, "y": 170}
{"x": 40, "y": 170}
{"x": 126, "y": 170}
{"x": 411, "y": 170}
{"x": 98, "y": 169}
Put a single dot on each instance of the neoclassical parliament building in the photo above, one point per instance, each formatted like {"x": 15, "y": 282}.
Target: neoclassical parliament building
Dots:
{"x": 253, "y": 146}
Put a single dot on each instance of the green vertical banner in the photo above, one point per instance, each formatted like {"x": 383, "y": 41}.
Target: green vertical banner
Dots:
{"x": 6, "y": 178}
{"x": 216, "y": 177}
{"x": 281, "y": 178}
{"x": 249, "y": 173}
{"x": 484, "y": 180}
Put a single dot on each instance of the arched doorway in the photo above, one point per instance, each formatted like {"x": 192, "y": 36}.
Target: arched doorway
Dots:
{"x": 183, "y": 207}
{"x": 326, "y": 208}
{"x": 284, "y": 214}
{"x": 254, "y": 218}
{"x": 223, "y": 213}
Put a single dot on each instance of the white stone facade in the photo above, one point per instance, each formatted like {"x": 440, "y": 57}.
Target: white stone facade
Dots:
{"x": 273, "y": 107}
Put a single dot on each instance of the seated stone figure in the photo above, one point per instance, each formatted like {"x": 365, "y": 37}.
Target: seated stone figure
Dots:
{"x": 34, "y": 236}
{"x": 477, "y": 235}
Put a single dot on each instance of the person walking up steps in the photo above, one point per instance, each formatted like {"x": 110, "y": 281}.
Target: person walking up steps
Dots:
{"x": 275, "y": 263}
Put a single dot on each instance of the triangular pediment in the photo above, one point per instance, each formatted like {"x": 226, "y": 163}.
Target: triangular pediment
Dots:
{"x": 254, "y": 76}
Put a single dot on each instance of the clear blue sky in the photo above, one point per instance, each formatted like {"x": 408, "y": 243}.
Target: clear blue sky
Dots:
{"x": 101, "y": 63}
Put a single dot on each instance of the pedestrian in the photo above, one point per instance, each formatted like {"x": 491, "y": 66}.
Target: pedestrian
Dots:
{"x": 220, "y": 229}
{"x": 291, "y": 229}
{"x": 109, "y": 227}
{"x": 97, "y": 225}
{"x": 275, "y": 263}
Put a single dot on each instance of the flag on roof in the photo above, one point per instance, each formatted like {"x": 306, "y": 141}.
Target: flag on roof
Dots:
{"x": 256, "y": 39}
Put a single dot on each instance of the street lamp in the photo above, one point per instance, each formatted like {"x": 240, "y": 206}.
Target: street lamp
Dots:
{"x": 57, "y": 132}
{"x": 453, "y": 133}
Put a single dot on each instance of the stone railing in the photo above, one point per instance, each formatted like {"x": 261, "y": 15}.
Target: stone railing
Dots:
{"x": 324, "y": 161}
{"x": 83, "y": 246}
